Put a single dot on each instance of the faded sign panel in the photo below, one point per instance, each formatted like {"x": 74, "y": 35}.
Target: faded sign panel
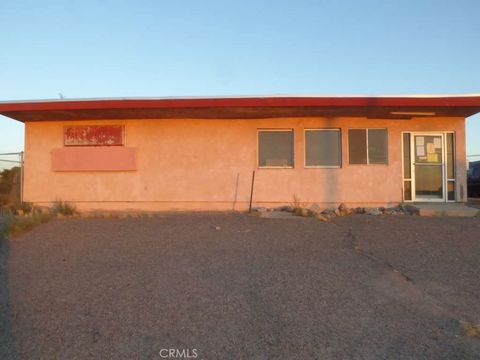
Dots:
{"x": 94, "y": 135}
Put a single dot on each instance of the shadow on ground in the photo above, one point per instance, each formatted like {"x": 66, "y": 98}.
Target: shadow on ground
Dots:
{"x": 7, "y": 339}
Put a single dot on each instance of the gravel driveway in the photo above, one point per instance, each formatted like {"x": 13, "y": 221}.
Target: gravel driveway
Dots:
{"x": 358, "y": 287}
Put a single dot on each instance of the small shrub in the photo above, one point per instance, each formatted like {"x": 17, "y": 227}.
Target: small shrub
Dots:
{"x": 63, "y": 208}
{"x": 300, "y": 208}
{"x": 3, "y": 200}
{"x": 26, "y": 207}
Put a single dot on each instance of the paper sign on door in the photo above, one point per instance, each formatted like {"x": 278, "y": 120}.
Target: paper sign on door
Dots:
{"x": 430, "y": 148}
{"x": 432, "y": 157}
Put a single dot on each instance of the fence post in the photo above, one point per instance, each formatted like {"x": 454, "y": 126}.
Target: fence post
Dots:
{"x": 21, "y": 177}
{"x": 251, "y": 192}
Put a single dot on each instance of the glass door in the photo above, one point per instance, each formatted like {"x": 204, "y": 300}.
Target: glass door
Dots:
{"x": 428, "y": 167}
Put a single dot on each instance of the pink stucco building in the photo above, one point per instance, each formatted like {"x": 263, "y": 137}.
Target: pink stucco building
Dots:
{"x": 200, "y": 153}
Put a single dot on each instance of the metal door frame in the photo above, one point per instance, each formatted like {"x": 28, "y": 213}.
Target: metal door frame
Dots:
{"x": 443, "y": 165}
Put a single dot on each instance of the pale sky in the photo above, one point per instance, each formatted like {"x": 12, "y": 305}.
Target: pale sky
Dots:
{"x": 115, "y": 48}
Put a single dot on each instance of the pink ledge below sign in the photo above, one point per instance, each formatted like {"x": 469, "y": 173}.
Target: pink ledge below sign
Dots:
{"x": 93, "y": 158}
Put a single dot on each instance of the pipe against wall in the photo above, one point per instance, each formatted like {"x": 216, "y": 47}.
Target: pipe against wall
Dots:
{"x": 251, "y": 192}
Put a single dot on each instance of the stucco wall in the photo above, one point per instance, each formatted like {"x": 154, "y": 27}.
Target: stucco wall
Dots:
{"x": 206, "y": 164}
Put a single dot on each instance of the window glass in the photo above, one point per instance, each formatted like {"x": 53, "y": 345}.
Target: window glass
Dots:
{"x": 406, "y": 156}
{"x": 407, "y": 190}
{"x": 323, "y": 148}
{"x": 357, "y": 146}
{"x": 450, "y": 157}
{"x": 275, "y": 148}
{"x": 451, "y": 190}
{"x": 377, "y": 146}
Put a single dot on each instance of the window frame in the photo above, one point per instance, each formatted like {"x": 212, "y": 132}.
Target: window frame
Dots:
{"x": 339, "y": 130}
{"x": 366, "y": 143}
{"x": 293, "y": 147}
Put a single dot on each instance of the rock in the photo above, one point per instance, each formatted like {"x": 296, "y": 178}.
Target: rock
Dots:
{"x": 337, "y": 212}
{"x": 329, "y": 211}
{"x": 343, "y": 209}
{"x": 218, "y": 228}
{"x": 322, "y": 217}
{"x": 373, "y": 211}
{"x": 316, "y": 209}
{"x": 409, "y": 209}
{"x": 302, "y": 212}
{"x": 259, "y": 209}
{"x": 284, "y": 208}
{"x": 394, "y": 210}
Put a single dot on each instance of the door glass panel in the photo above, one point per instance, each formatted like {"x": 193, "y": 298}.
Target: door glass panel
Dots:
{"x": 428, "y": 181}
{"x": 451, "y": 190}
{"x": 406, "y": 156}
{"x": 450, "y": 158}
{"x": 428, "y": 167}
{"x": 428, "y": 149}
{"x": 407, "y": 190}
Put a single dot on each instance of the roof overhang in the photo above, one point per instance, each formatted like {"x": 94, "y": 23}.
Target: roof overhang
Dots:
{"x": 383, "y": 107}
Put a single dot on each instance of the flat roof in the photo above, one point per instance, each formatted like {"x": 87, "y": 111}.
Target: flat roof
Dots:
{"x": 238, "y": 107}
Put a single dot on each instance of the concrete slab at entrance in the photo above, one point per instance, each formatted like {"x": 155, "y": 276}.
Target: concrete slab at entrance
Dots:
{"x": 446, "y": 209}
{"x": 278, "y": 215}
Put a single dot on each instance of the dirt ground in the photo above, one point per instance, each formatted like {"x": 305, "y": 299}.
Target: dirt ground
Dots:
{"x": 239, "y": 287}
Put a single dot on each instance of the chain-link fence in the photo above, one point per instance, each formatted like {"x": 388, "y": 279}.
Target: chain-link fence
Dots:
{"x": 11, "y": 179}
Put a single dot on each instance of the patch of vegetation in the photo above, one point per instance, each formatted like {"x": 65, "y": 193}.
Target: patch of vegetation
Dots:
{"x": 26, "y": 207}
{"x": 9, "y": 186}
{"x": 300, "y": 208}
{"x": 63, "y": 208}
{"x": 16, "y": 220}
{"x": 16, "y": 225}
{"x": 471, "y": 330}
